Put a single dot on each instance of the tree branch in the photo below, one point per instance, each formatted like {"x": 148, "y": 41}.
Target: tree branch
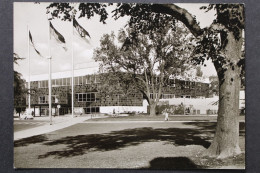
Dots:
{"x": 180, "y": 14}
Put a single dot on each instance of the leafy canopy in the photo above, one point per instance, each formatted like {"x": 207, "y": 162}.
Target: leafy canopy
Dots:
{"x": 146, "y": 58}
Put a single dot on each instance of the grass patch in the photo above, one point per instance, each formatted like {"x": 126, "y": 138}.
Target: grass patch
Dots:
{"x": 142, "y": 117}
{"x": 236, "y": 162}
{"x": 145, "y": 117}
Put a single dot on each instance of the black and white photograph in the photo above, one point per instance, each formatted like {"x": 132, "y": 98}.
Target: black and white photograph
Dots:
{"x": 144, "y": 86}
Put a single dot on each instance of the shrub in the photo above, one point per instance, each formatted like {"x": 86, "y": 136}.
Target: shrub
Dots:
{"x": 172, "y": 109}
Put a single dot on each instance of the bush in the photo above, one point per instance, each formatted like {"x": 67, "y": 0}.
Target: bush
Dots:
{"x": 132, "y": 113}
{"x": 179, "y": 110}
{"x": 172, "y": 109}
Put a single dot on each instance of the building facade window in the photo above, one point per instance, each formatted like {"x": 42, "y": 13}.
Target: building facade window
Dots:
{"x": 43, "y": 84}
{"x": 88, "y": 80}
{"x": 186, "y": 84}
{"x": 54, "y": 99}
{"x": 97, "y": 79}
{"x": 56, "y": 82}
{"x": 78, "y": 80}
{"x": 68, "y": 81}
{"x": 60, "y": 82}
{"x": 89, "y": 110}
{"x": 172, "y": 83}
{"x": 43, "y": 99}
{"x": 168, "y": 96}
{"x": 152, "y": 96}
{"x": 192, "y": 85}
{"x": 86, "y": 97}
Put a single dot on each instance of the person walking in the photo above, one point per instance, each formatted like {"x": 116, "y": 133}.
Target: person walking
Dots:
{"x": 114, "y": 113}
{"x": 166, "y": 115}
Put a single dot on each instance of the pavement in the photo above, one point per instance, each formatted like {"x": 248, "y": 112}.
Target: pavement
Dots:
{"x": 160, "y": 145}
{"x": 57, "y": 124}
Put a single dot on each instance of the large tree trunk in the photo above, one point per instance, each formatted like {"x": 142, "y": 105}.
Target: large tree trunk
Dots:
{"x": 226, "y": 140}
{"x": 152, "y": 109}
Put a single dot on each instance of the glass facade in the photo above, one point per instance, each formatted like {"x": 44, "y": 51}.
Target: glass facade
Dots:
{"x": 86, "y": 97}
{"x": 80, "y": 80}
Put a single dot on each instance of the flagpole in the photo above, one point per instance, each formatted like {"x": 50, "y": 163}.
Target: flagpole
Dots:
{"x": 72, "y": 72}
{"x": 50, "y": 87}
{"x": 29, "y": 78}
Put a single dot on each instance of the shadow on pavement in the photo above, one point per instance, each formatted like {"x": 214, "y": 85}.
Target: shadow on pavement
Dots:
{"x": 201, "y": 134}
{"x": 81, "y": 144}
{"x": 173, "y": 163}
{"x": 211, "y": 127}
{"x": 30, "y": 140}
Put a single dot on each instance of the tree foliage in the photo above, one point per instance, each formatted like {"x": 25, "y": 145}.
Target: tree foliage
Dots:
{"x": 65, "y": 11}
{"x": 147, "y": 18}
{"x": 146, "y": 60}
{"x": 19, "y": 87}
{"x": 213, "y": 42}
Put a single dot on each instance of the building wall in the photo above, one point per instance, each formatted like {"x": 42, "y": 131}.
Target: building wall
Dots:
{"x": 204, "y": 105}
{"x": 61, "y": 90}
{"x": 201, "y": 105}
{"x": 125, "y": 109}
{"x": 187, "y": 88}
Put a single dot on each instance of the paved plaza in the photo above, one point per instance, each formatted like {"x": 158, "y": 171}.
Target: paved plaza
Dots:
{"x": 83, "y": 143}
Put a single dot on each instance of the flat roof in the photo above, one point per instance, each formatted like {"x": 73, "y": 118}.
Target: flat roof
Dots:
{"x": 64, "y": 74}
{"x": 94, "y": 70}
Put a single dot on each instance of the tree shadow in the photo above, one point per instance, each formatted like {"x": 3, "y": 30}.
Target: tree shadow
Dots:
{"x": 211, "y": 127}
{"x": 81, "y": 144}
{"x": 173, "y": 163}
{"x": 30, "y": 140}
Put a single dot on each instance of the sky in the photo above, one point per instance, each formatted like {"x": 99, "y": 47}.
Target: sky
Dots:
{"x": 33, "y": 16}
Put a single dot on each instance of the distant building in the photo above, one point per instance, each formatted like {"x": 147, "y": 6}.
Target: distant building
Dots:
{"x": 213, "y": 86}
{"x": 87, "y": 96}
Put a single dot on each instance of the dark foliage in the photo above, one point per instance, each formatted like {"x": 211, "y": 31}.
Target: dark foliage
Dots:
{"x": 19, "y": 87}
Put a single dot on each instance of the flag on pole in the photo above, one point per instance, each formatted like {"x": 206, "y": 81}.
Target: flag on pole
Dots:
{"x": 32, "y": 43}
{"x": 80, "y": 31}
{"x": 58, "y": 37}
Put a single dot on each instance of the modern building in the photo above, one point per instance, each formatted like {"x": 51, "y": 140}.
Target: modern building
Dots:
{"x": 89, "y": 99}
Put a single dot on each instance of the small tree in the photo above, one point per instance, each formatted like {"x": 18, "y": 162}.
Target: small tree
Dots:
{"x": 19, "y": 88}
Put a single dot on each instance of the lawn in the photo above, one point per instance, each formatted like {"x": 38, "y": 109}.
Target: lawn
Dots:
{"x": 142, "y": 145}
{"x": 143, "y": 117}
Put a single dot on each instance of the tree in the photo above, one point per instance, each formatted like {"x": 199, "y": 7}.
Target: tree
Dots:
{"x": 148, "y": 59}
{"x": 19, "y": 88}
{"x": 115, "y": 83}
{"x": 222, "y": 42}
